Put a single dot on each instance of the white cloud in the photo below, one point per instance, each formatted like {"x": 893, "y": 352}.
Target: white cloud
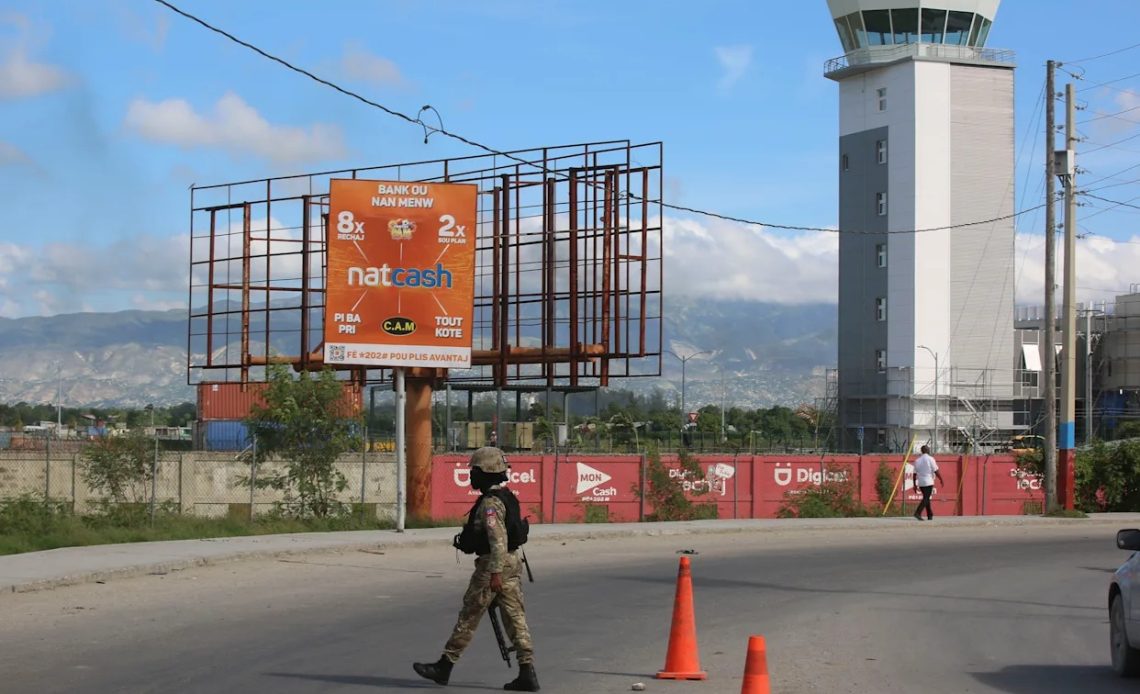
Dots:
{"x": 148, "y": 303}
{"x": 734, "y": 62}
{"x": 9, "y": 308}
{"x": 48, "y": 303}
{"x": 21, "y": 77}
{"x": 1116, "y": 117}
{"x": 1127, "y": 100}
{"x": 63, "y": 277}
{"x": 1105, "y": 268}
{"x": 150, "y": 28}
{"x": 11, "y": 154}
{"x": 703, "y": 259}
{"x": 359, "y": 64}
{"x": 234, "y": 126}
{"x": 724, "y": 260}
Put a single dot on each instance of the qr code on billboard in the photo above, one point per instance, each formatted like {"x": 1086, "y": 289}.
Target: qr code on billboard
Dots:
{"x": 336, "y": 353}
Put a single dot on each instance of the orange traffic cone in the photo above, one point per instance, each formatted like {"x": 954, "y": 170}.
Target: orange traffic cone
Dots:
{"x": 756, "y": 668}
{"x": 682, "y": 661}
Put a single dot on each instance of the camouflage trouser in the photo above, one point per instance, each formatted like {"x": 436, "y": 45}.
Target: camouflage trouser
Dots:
{"x": 475, "y": 602}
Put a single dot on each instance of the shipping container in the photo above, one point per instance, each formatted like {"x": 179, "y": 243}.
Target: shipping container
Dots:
{"x": 524, "y": 436}
{"x": 477, "y": 433}
{"x": 222, "y": 435}
{"x": 232, "y": 401}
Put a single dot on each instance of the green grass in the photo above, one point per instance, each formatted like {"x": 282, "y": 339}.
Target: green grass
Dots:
{"x": 1067, "y": 513}
{"x": 31, "y": 525}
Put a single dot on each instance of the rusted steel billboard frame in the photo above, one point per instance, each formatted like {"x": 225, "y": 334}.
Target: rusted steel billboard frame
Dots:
{"x": 569, "y": 272}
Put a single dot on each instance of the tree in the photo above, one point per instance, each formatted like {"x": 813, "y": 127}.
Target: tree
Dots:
{"x": 305, "y": 423}
{"x": 120, "y": 467}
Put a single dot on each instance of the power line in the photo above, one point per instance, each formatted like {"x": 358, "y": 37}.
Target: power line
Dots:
{"x": 1117, "y": 116}
{"x": 1082, "y": 89}
{"x": 1100, "y": 147}
{"x": 1116, "y": 203}
{"x": 1114, "y": 175}
{"x": 790, "y": 227}
{"x": 1112, "y": 185}
{"x": 491, "y": 150}
{"x": 1103, "y": 55}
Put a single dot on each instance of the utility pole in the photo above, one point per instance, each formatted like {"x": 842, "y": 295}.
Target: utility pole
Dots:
{"x": 723, "y": 405}
{"x": 685, "y": 360}
{"x": 1048, "y": 355}
{"x": 59, "y": 399}
{"x": 1068, "y": 432}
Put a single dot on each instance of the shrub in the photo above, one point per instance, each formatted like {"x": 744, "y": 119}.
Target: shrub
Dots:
{"x": 665, "y": 492}
{"x": 31, "y": 514}
{"x": 1108, "y": 477}
{"x": 120, "y": 467}
{"x": 306, "y": 425}
{"x": 835, "y": 497}
{"x": 885, "y": 481}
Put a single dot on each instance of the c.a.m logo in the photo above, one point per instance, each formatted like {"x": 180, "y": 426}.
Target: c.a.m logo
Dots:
{"x": 398, "y": 326}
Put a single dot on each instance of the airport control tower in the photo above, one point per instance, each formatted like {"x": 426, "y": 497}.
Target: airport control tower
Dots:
{"x": 926, "y": 140}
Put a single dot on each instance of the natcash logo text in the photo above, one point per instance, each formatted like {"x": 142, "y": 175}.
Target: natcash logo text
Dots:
{"x": 384, "y": 276}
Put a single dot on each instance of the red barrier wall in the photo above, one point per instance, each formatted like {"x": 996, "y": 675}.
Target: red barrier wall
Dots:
{"x": 566, "y": 489}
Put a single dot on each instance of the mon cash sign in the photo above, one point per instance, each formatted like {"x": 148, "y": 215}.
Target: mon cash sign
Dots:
{"x": 401, "y": 273}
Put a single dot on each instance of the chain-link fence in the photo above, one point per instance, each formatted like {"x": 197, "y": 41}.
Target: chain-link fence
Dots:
{"x": 696, "y": 442}
{"x": 210, "y": 484}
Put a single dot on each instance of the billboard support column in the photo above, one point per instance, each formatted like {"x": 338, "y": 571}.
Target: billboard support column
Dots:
{"x": 401, "y": 458}
{"x": 419, "y": 443}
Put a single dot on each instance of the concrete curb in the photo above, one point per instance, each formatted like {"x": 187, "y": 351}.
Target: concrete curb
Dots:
{"x": 70, "y": 566}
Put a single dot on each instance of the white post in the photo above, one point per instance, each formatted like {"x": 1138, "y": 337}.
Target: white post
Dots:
{"x": 401, "y": 455}
{"x": 934, "y": 443}
{"x": 934, "y": 448}
{"x": 1088, "y": 377}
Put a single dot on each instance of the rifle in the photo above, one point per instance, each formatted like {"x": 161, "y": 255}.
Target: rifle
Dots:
{"x": 493, "y": 613}
{"x": 496, "y": 625}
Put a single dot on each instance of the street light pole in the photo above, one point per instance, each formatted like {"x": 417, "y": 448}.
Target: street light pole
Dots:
{"x": 58, "y": 400}
{"x": 723, "y": 405}
{"x": 685, "y": 360}
{"x": 934, "y": 443}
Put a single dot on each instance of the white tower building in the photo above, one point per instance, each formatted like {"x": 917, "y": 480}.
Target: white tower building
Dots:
{"x": 926, "y": 141}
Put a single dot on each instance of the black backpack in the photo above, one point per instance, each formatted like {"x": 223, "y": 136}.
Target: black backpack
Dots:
{"x": 471, "y": 542}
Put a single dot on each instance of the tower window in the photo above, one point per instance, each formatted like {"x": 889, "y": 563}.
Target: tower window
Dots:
{"x": 845, "y": 162}
{"x": 881, "y": 254}
{"x": 881, "y": 359}
{"x": 882, "y": 93}
{"x": 881, "y": 204}
{"x": 881, "y": 309}
{"x": 881, "y": 151}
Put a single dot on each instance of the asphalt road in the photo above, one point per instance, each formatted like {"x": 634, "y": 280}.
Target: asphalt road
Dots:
{"x": 912, "y": 608}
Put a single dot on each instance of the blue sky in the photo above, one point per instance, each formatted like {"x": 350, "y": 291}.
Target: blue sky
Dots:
{"x": 112, "y": 108}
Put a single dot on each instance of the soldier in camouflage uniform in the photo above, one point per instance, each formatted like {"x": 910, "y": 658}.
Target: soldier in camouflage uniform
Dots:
{"x": 497, "y": 574}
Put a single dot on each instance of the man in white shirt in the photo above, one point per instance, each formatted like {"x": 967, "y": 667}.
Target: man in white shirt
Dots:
{"x": 925, "y": 470}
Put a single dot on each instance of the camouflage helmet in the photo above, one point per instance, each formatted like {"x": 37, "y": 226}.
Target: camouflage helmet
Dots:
{"x": 489, "y": 459}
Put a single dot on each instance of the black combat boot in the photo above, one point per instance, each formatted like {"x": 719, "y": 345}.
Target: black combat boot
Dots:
{"x": 439, "y": 672}
{"x": 527, "y": 681}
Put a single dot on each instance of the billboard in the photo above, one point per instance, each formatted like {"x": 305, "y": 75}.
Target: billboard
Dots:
{"x": 401, "y": 273}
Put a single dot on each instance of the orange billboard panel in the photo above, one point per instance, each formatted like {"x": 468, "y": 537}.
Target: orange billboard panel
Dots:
{"x": 400, "y": 283}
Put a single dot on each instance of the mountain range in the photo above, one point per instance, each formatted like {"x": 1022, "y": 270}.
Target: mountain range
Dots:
{"x": 760, "y": 354}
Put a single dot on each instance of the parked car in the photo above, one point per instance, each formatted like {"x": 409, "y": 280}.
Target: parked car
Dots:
{"x": 1124, "y": 608}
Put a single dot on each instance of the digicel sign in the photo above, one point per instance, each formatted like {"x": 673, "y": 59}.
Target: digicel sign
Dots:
{"x": 401, "y": 273}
